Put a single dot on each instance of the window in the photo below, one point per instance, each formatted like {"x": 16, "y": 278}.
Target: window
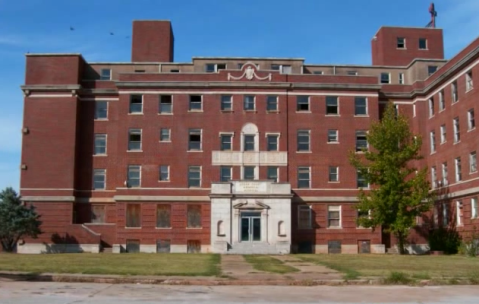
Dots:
{"x": 285, "y": 69}
{"x": 332, "y": 107}
{"x": 302, "y": 103}
{"x": 165, "y": 135}
{"x": 333, "y": 174}
{"x": 139, "y": 71}
{"x": 401, "y": 78}
{"x": 433, "y": 177}
{"x": 362, "y": 214}
{"x": 469, "y": 83}
{"x": 194, "y": 176}
{"x": 136, "y": 104}
{"x": 214, "y": 67}
{"x": 474, "y": 207}
{"x": 454, "y": 92}
{"x": 273, "y": 173}
{"x": 134, "y": 140}
{"x": 132, "y": 246}
{"x": 174, "y": 71}
{"x": 333, "y": 136}
{"x": 360, "y": 106}
{"x": 457, "y": 131}
{"x": 459, "y": 214}
{"x": 239, "y": 66}
{"x": 105, "y": 74}
{"x": 133, "y": 215}
{"x": 166, "y": 104}
{"x": 226, "y": 142}
{"x": 100, "y": 144}
{"x": 134, "y": 176}
{"x": 304, "y": 217}
{"x": 225, "y": 173}
{"x": 457, "y": 162}
{"x": 361, "y": 141}
{"x": 352, "y": 73}
{"x": 226, "y": 103}
{"x": 97, "y": 214}
{"x": 163, "y": 216}
{"x": 164, "y": 173}
{"x": 101, "y": 109}
{"x": 272, "y": 142}
{"x": 99, "y": 179}
{"x": 442, "y": 105}
{"x": 431, "y": 107}
{"x": 471, "y": 124}
{"x": 249, "y": 103}
{"x": 272, "y": 103}
{"x": 195, "y": 103}
{"x": 361, "y": 180}
{"x": 445, "y": 215}
{"x": 194, "y": 141}
{"x": 431, "y": 69}
{"x": 422, "y": 43}
{"x": 334, "y": 216}
{"x": 443, "y": 134}
{"x": 444, "y": 174}
{"x": 249, "y": 142}
{"x": 163, "y": 246}
{"x": 385, "y": 78}
{"x": 472, "y": 162}
{"x": 432, "y": 139}
{"x": 401, "y": 43}
{"x": 248, "y": 172}
{"x": 194, "y": 216}
{"x": 304, "y": 178}
{"x": 318, "y": 72}
{"x": 303, "y": 140}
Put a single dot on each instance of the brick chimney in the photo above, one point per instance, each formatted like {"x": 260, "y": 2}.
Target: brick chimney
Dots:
{"x": 152, "y": 41}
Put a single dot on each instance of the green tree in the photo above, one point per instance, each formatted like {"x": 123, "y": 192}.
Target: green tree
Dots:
{"x": 399, "y": 191}
{"x": 16, "y": 220}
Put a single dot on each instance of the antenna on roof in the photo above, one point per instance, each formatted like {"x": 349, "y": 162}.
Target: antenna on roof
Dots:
{"x": 433, "y": 13}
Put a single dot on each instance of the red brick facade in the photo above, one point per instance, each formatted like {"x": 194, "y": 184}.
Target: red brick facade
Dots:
{"x": 62, "y": 93}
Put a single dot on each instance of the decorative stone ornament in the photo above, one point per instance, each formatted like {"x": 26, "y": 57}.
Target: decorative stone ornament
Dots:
{"x": 249, "y": 73}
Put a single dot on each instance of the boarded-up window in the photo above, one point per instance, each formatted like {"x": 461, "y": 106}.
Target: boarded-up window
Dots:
{"x": 364, "y": 246}
{"x": 163, "y": 246}
{"x": 132, "y": 246}
{"x": 194, "y": 216}
{"x": 97, "y": 214}
{"x": 193, "y": 246}
{"x": 334, "y": 246}
{"x": 133, "y": 215}
{"x": 163, "y": 216}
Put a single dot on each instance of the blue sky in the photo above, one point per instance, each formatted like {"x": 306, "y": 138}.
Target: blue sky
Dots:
{"x": 321, "y": 31}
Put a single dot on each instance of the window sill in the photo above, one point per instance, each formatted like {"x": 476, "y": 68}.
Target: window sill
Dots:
{"x": 431, "y": 116}
{"x": 100, "y": 119}
{"x": 402, "y": 49}
{"x": 457, "y": 142}
{"x": 167, "y": 114}
{"x": 360, "y": 152}
{"x": 272, "y": 112}
{"x": 133, "y": 228}
{"x": 332, "y": 115}
{"x": 335, "y": 228}
{"x": 333, "y": 182}
{"x": 98, "y": 190}
{"x": 249, "y": 111}
{"x": 473, "y": 172}
{"x": 134, "y": 151}
{"x": 163, "y": 228}
{"x": 164, "y": 181}
{"x": 195, "y": 111}
{"x": 454, "y": 102}
{"x": 194, "y": 151}
{"x": 443, "y": 143}
{"x": 423, "y": 49}
{"x": 362, "y": 115}
{"x": 304, "y": 112}
{"x": 363, "y": 228}
{"x": 333, "y": 143}
{"x": 471, "y": 129}
{"x": 100, "y": 155}
{"x": 467, "y": 91}
{"x": 135, "y": 113}
{"x": 440, "y": 111}
{"x": 165, "y": 141}
{"x": 304, "y": 151}
{"x": 432, "y": 153}
{"x": 194, "y": 228}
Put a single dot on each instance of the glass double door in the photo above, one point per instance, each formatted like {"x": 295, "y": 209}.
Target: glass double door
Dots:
{"x": 250, "y": 227}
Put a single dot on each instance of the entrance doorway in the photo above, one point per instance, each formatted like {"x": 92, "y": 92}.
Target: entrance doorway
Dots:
{"x": 250, "y": 227}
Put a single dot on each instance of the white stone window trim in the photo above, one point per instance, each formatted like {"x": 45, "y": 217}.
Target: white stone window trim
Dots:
{"x": 231, "y": 102}
{"x": 278, "y": 134}
{"x": 473, "y": 162}
{"x": 474, "y": 208}
{"x": 107, "y": 110}
{"x": 469, "y": 81}
{"x": 337, "y": 175}
{"x": 335, "y": 208}
{"x": 139, "y": 176}
{"x": 142, "y": 104}
{"x": 201, "y": 103}
{"x": 104, "y": 183}
{"x": 249, "y": 129}
{"x": 169, "y": 176}
{"x": 110, "y": 74}
{"x": 141, "y": 140}
{"x": 106, "y": 145}
{"x": 459, "y": 215}
{"x": 256, "y": 172}
{"x": 172, "y": 104}
{"x": 169, "y": 136}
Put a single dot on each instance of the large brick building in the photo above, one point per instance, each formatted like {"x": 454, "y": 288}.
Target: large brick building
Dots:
{"x": 236, "y": 155}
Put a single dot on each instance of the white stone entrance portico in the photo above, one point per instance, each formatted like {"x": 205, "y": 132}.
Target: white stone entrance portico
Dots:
{"x": 251, "y": 217}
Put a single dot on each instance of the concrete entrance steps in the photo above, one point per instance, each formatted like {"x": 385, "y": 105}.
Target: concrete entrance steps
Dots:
{"x": 255, "y": 248}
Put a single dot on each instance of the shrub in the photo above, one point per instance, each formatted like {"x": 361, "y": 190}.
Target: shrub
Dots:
{"x": 444, "y": 239}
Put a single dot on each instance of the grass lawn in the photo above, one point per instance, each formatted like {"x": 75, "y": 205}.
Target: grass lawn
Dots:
{"x": 121, "y": 264}
{"x": 268, "y": 264}
{"x": 418, "y": 267}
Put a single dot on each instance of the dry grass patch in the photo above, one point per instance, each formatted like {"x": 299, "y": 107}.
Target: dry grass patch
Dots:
{"x": 120, "y": 264}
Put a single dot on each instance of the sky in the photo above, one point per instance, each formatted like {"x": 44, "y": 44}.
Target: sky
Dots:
{"x": 321, "y": 31}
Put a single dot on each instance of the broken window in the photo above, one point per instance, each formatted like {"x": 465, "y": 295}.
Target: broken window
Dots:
{"x": 302, "y": 103}
{"x": 136, "y": 104}
{"x": 195, "y": 103}
{"x": 163, "y": 246}
{"x": 361, "y": 141}
{"x": 194, "y": 216}
{"x": 166, "y": 104}
{"x": 401, "y": 43}
{"x": 97, "y": 214}
{"x": 193, "y": 246}
{"x": 332, "y": 105}
{"x": 422, "y": 43}
{"x": 134, "y": 140}
{"x": 133, "y": 215}
{"x": 194, "y": 143}
{"x": 132, "y": 246}
{"x": 163, "y": 216}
